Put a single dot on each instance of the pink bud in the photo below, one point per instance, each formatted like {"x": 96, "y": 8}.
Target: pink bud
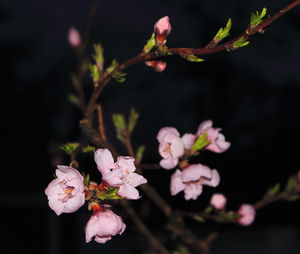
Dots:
{"x": 74, "y": 37}
{"x": 103, "y": 225}
{"x": 162, "y": 29}
{"x": 159, "y": 66}
{"x": 218, "y": 201}
{"x": 248, "y": 214}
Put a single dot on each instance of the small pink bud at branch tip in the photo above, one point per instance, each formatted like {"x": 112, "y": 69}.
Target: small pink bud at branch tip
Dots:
{"x": 218, "y": 201}
{"x": 74, "y": 37}
{"x": 247, "y": 213}
{"x": 158, "y": 66}
{"x": 162, "y": 29}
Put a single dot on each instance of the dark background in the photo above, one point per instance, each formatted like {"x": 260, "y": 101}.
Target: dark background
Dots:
{"x": 252, "y": 93}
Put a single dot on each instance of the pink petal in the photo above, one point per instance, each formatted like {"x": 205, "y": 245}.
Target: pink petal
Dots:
{"x": 204, "y": 126}
{"x": 126, "y": 163}
{"x": 114, "y": 178}
{"x": 168, "y": 163}
{"x": 195, "y": 172}
{"x": 135, "y": 180}
{"x": 74, "y": 203}
{"x": 164, "y": 150}
{"x": 219, "y": 145}
{"x": 166, "y": 130}
{"x": 104, "y": 160}
{"x": 128, "y": 192}
{"x": 102, "y": 239}
{"x": 56, "y": 205}
{"x": 214, "y": 180}
{"x": 177, "y": 147}
{"x": 188, "y": 140}
{"x": 192, "y": 191}
{"x": 176, "y": 184}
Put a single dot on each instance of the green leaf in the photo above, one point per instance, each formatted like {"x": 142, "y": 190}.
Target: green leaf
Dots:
{"x": 133, "y": 117}
{"x": 139, "y": 153}
{"x": 88, "y": 149}
{"x": 192, "y": 58}
{"x": 201, "y": 142}
{"x": 208, "y": 209}
{"x": 150, "y": 44}
{"x": 257, "y": 18}
{"x": 94, "y": 72}
{"x": 272, "y": 191}
{"x": 74, "y": 99}
{"x": 86, "y": 179}
{"x": 199, "y": 218}
{"x": 114, "y": 64}
{"x": 223, "y": 32}
{"x": 119, "y": 76}
{"x": 241, "y": 42}
{"x": 70, "y": 148}
{"x": 120, "y": 125}
{"x": 291, "y": 183}
{"x": 98, "y": 57}
{"x": 181, "y": 250}
{"x": 294, "y": 198}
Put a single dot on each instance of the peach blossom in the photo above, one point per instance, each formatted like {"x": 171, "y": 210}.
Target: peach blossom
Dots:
{"x": 247, "y": 213}
{"x": 218, "y": 201}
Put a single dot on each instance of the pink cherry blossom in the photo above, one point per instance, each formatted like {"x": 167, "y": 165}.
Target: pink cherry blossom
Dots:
{"x": 248, "y": 214}
{"x": 218, "y": 201}
{"x": 66, "y": 192}
{"x": 162, "y": 29}
{"x": 192, "y": 179}
{"x": 217, "y": 140}
{"x": 171, "y": 147}
{"x": 103, "y": 225}
{"x": 119, "y": 174}
{"x": 158, "y": 66}
{"x": 74, "y": 37}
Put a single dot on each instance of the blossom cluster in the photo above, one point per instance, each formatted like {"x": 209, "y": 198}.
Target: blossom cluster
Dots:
{"x": 69, "y": 191}
{"x": 176, "y": 150}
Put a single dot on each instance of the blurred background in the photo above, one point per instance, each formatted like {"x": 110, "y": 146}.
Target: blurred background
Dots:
{"x": 252, "y": 93}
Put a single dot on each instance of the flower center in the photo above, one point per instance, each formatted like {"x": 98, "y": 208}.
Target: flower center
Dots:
{"x": 67, "y": 191}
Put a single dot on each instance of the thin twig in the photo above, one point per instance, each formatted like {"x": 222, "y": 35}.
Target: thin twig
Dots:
{"x": 101, "y": 123}
{"x": 143, "y": 228}
{"x": 184, "y": 51}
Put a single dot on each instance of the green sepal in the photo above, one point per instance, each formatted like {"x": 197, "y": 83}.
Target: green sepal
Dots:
{"x": 201, "y": 142}
{"x": 223, "y": 32}
{"x": 257, "y": 18}
{"x": 110, "y": 193}
{"x": 150, "y": 44}
{"x": 272, "y": 191}
{"x": 69, "y": 148}
{"x": 132, "y": 120}
{"x": 98, "y": 57}
{"x": 88, "y": 149}
{"x": 291, "y": 183}
{"x": 86, "y": 179}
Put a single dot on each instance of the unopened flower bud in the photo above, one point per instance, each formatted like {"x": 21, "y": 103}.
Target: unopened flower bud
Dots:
{"x": 162, "y": 29}
{"x": 158, "y": 66}
{"x": 218, "y": 201}
{"x": 74, "y": 37}
{"x": 247, "y": 213}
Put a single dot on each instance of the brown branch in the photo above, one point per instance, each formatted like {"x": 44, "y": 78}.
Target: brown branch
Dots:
{"x": 266, "y": 201}
{"x": 149, "y": 166}
{"x": 101, "y": 123}
{"x": 184, "y": 51}
{"x": 143, "y": 228}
